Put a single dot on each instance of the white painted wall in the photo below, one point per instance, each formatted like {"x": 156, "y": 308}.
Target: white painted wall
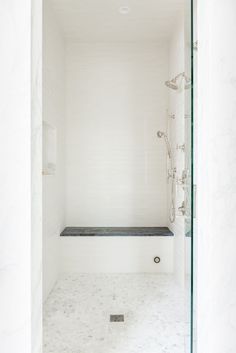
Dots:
{"x": 54, "y": 114}
{"x": 36, "y": 178}
{"x": 176, "y": 133}
{"x": 216, "y": 177}
{"x": 20, "y": 275}
{"x": 116, "y": 254}
{"x": 115, "y": 167}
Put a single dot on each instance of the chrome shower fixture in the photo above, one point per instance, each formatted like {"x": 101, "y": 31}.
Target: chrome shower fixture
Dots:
{"x": 173, "y": 83}
{"x": 188, "y": 84}
{"x": 171, "y": 173}
{"x": 161, "y": 134}
{"x": 181, "y": 147}
{"x": 195, "y": 45}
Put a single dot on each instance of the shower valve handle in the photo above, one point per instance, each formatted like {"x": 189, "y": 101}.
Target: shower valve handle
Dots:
{"x": 181, "y": 147}
{"x": 171, "y": 173}
{"x": 182, "y": 209}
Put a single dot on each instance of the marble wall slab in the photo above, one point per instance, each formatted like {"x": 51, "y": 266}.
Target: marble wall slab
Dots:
{"x": 20, "y": 221}
{"x": 216, "y": 177}
{"x": 15, "y": 185}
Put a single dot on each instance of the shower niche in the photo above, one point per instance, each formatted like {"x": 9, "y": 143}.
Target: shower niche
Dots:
{"x": 49, "y": 149}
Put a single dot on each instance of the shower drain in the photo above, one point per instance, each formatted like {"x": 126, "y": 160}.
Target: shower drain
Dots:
{"x": 117, "y": 318}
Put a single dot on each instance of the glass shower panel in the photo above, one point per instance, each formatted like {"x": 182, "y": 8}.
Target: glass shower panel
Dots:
{"x": 188, "y": 185}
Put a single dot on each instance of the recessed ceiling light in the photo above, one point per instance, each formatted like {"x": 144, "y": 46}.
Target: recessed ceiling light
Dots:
{"x": 124, "y": 10}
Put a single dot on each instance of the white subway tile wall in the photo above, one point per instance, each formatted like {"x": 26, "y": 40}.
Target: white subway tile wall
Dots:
{"x": 115, "y": 103}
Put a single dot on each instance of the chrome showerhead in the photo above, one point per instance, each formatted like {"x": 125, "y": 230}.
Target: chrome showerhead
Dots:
{"x": 172, "y": 84}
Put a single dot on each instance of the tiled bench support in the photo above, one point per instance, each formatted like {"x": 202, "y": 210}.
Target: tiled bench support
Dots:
{"x": 116, "y": 250}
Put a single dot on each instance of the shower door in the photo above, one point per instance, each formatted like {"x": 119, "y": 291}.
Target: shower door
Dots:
{"x": 189, "y": 184}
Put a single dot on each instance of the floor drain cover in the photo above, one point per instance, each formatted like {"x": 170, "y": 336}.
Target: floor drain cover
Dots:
{"x": 117, "y": 318}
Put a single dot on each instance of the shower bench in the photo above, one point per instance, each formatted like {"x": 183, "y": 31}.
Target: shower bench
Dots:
{"x": 116, "y": 250}
{"x": 116, "y": 232}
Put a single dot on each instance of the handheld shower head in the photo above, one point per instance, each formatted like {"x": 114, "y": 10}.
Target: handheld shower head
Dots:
{"x": 161, "y": 134}
{"x": 171, "y": 174}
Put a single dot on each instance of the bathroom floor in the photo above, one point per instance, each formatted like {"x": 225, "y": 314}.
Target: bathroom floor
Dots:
{"x": 77, "y": 314}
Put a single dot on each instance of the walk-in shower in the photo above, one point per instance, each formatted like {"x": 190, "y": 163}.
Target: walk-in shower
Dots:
{"x": 117, "y": 137}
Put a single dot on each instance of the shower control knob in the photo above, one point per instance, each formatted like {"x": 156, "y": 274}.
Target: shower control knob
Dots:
{"x": 182, "y": 209}
{"x": 171, "y": 173}
{"x": 195, "y": 45}
{"x": 182, "y": 180}
{"x": 181, "y": 147}
{"x": 157, "y": 260}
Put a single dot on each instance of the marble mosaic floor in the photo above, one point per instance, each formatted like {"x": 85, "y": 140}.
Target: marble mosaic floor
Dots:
{"x": 77, "y": 314}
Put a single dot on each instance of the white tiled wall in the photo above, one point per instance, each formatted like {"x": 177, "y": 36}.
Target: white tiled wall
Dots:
{"x": 54, "y": 114}
{"x": 115, "y": 165}
{"x": 116, "y": 254}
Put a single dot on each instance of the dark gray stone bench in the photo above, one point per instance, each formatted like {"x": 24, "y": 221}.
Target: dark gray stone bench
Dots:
{"x": 116, "y": 232}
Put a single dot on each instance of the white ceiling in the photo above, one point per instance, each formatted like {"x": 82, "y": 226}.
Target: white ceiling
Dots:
{"x": 100, "y": 20}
